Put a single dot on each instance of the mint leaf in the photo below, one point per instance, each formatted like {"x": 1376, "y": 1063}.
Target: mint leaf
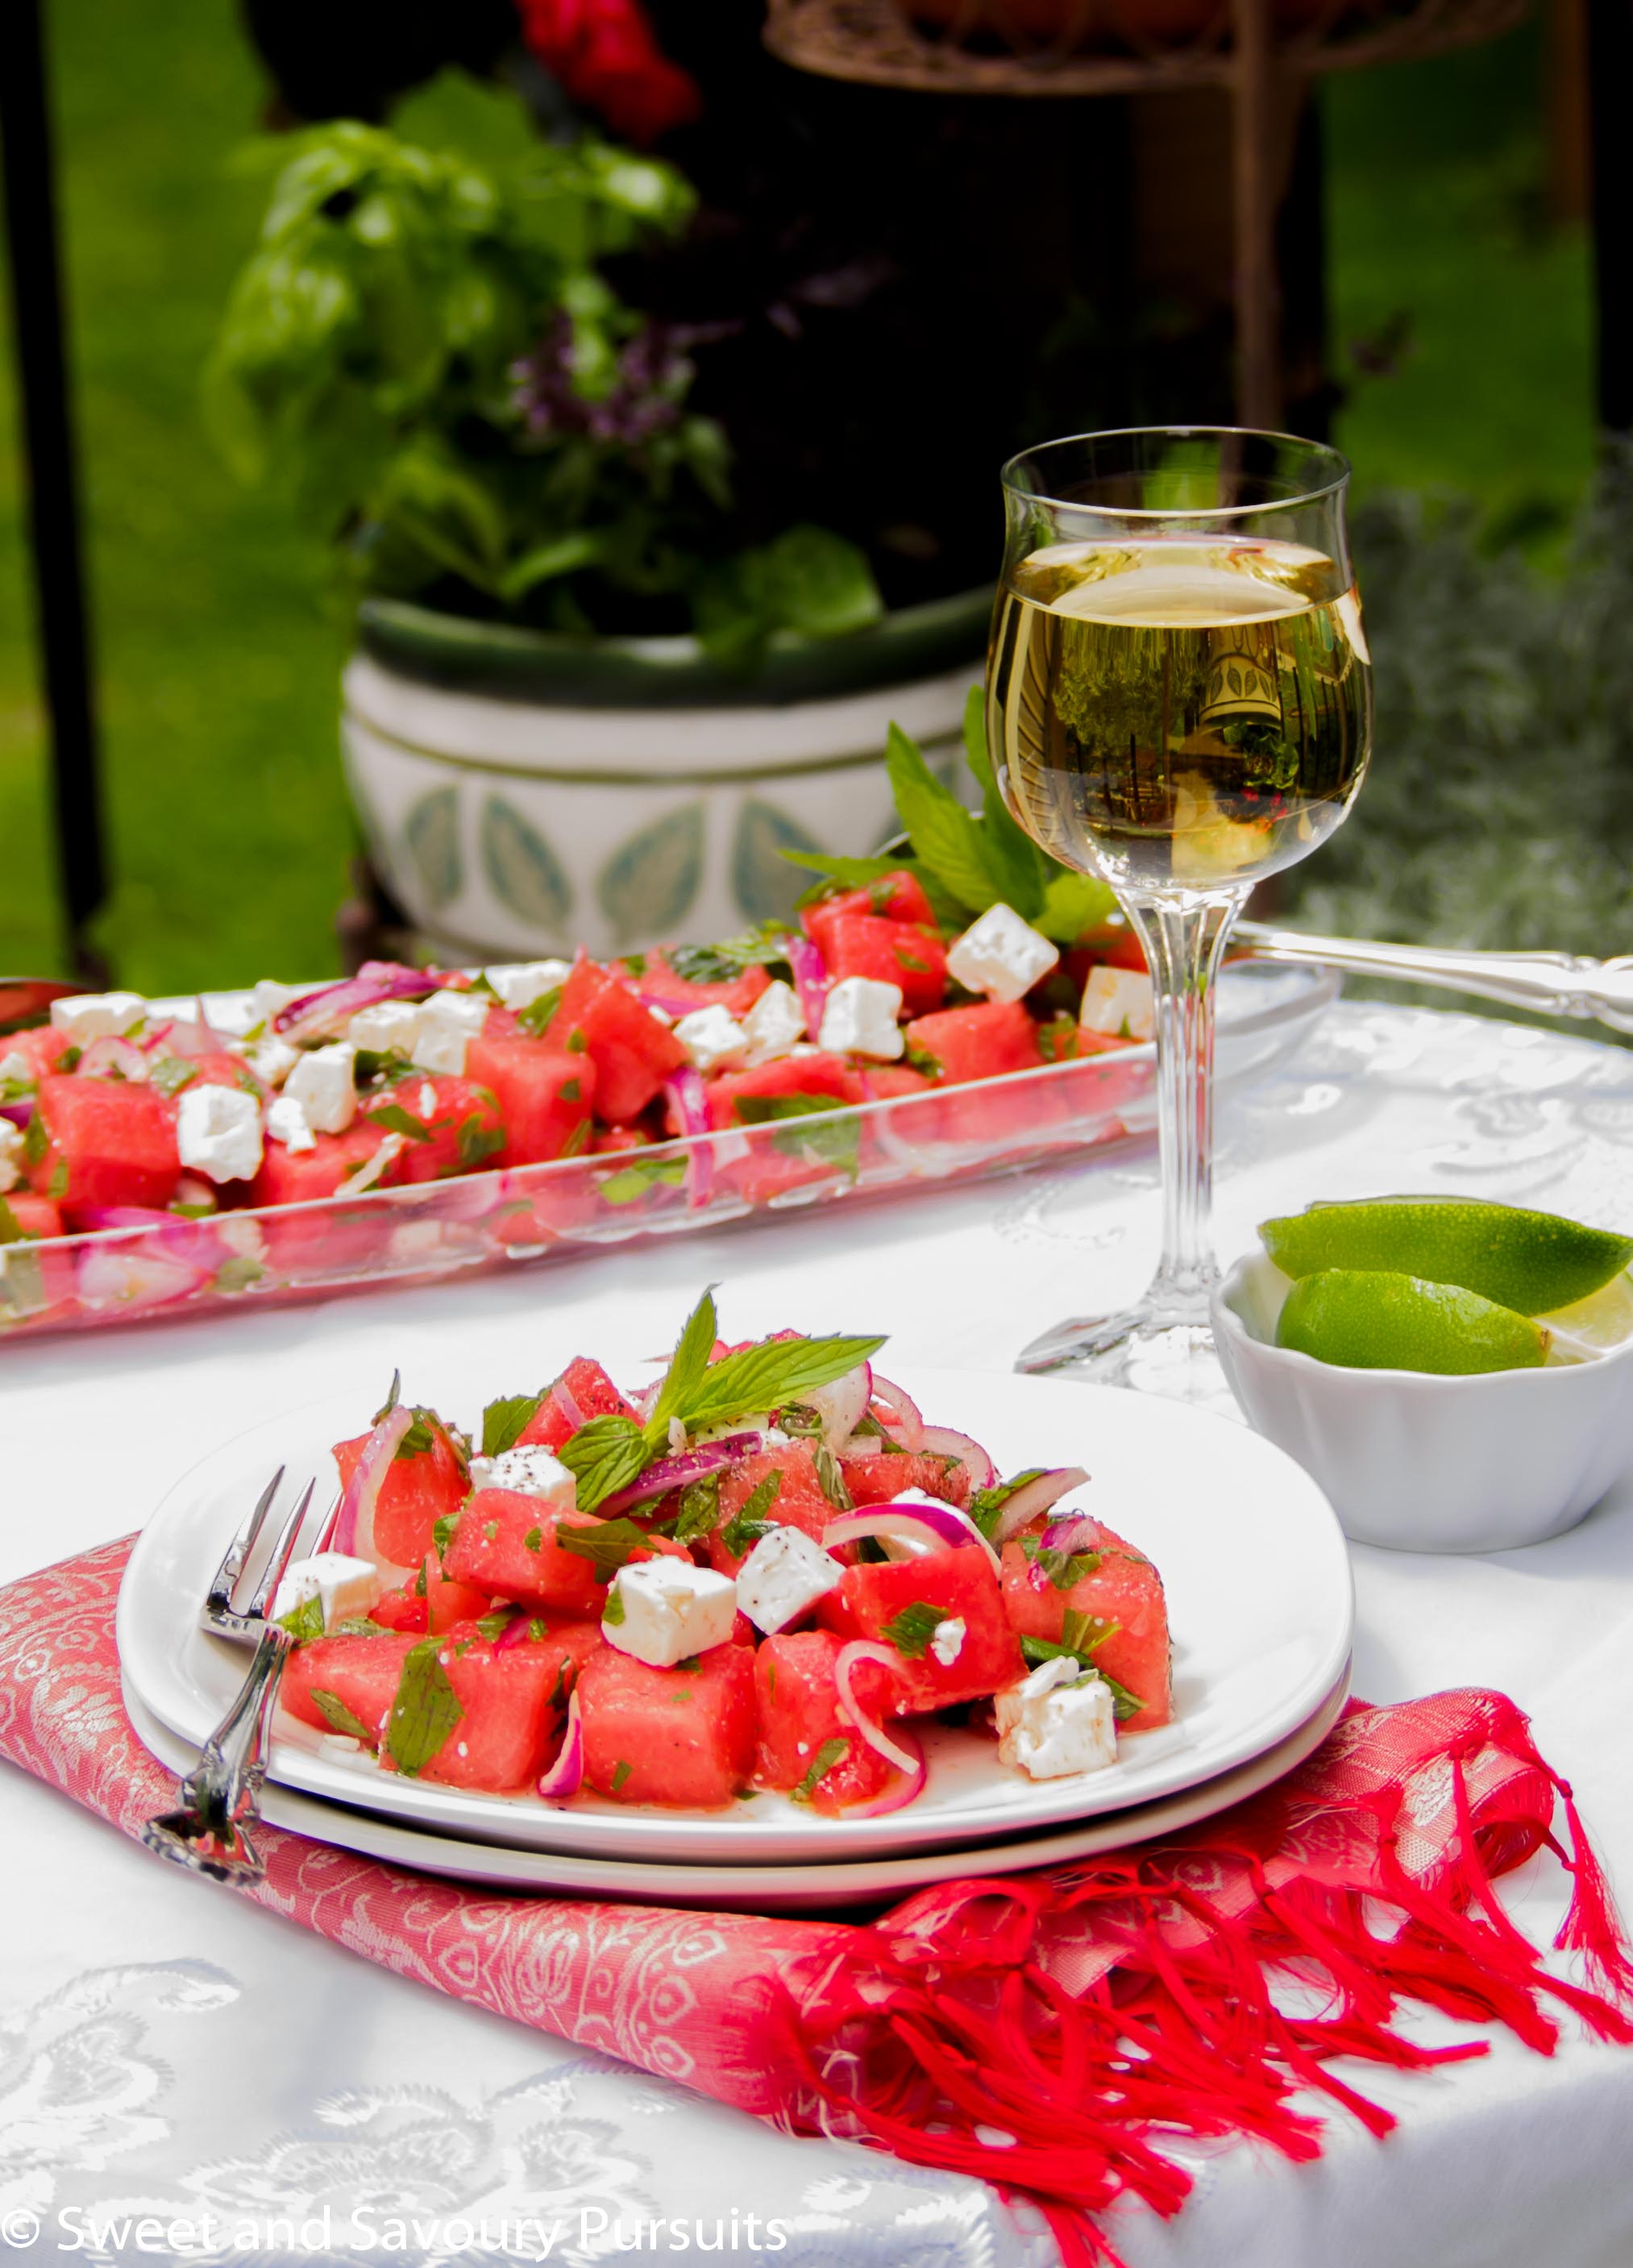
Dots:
{"x": 441, "y": 1531}
{"x": 831, "y": 1753}
{"x": 359, "y": 1627}
{"x": 537, "y": 1014}
{"x": 304, "y": 1621}
{"x": 745, "y": 1526}
{"x": 636, "y": 1179}
{"x": 400, "y": 1122}
{"x": 911, "y": 1631}
{"x": 496, "y": 1624}
{"x": 1072, "y": 904}
{"x": 921, "y": 1060}
{"x": 1062, "y": 1568}
{"x": 238, "y": 1273}
{"x": 11, "y": 1228}
{"x": 504, "y": 1421}
{"x": 36, "y": 1141}
{"x": 687, "y": 1365}
{"x": 700, "y": 1508}
{"x": 830, "y": 1480}
{"x": 775, "y": 1371}
{"x": 533, "y": 1540}
{"x": 1037, "y": 1650}
{"x": 171, "y": 1073}
{"x": 986, "y": 1504}
{"x": 338, "y": 1718}
{"x": 835, "y": 1142}
{"x": 613, "y": 1612}
{"x": 723, "y": 963}
{"x": 57, "y": 1186}
{"x": 604, "y": 1456}
{"x": 477, "y": 1140}
{"x": 1082, "y": 1634}
{"x": 620, "y": 1775}
{"x": 424, "y": 1713}
{"x": 606, "y": 1543}
{"x": 942, "y": 832}
{"x": 420, "y": 1436}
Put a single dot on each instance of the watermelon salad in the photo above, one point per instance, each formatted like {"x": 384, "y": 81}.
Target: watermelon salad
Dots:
{"x": 766, "y": 1572}
{"x": 118, "y": 1114}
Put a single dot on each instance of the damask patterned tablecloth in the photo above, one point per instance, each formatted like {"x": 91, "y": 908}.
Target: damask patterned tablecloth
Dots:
{"x": 168, "y": 2051}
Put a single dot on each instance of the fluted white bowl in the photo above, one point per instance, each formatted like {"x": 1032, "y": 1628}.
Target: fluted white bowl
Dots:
{"x": 1423, "y": 1463}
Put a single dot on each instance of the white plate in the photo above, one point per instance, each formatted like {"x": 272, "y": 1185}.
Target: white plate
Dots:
{"x": 1253, "y": 1561}
{"x": 751, "y": 1890}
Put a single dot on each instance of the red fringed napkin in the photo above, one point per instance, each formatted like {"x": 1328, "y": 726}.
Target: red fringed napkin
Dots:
{"x": 1085, "y": 2013}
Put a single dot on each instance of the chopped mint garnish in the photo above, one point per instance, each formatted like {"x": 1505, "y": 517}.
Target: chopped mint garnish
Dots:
{"x": 746, "y": 1527}
{"x": 420, "y": 1436}
{"x": 424, "y": 1713}
{"x": 171, "y": 1073}
{"x": 1062, "y": 1568}
{"x": 578, "y": 1041}
{"x": 399, "y": 1120}
{"x": 338, "y": 1718}
{"x": 11, "y": 1228}
{"x": 496, "y": 1624}
{"x": 831, "y": 1753}
{"x": 490, "y": 1531}
{"x": 986, "y": 1504}
{"x": 304, "y": 1621}
{"x": 533, "y": 1540}
{"x": 533, "y": 1018}
{"x": 578, "y": 1141}
{"x": 831, "y": 1480}
{"x": 420, "y": 1584}
{"x": 639, "y": 1177}
{"x": 700, "y": 1508}
{"x": 613, "y": 1611}
{"x": 620, "y": 1775}
{"x": 57, "y": 1186}
{"x": 506, "y": 1420}
{"x": 723, "y": 963}
{"x": 238, "y": 1273}
{"x": 36, "y": 1141}
{"x": 834, "y": 1143}
{"x": 571, "y": 1090}
{"x": 442, "y": 1532}
{"x": 477, "y": 1140}
{"x": 359, "y": 1627}
{"x": 911, "y": 1631}
{"x": 606, "y": 1543}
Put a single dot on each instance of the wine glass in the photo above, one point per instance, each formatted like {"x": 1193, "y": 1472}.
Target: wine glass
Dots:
{"x": 1178, "y": 699}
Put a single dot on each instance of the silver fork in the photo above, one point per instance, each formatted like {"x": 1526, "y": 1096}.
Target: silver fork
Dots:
{"x": 209, "y": 1832}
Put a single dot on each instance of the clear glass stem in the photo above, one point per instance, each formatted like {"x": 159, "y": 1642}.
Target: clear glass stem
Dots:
{"x": 1184, "y": 937}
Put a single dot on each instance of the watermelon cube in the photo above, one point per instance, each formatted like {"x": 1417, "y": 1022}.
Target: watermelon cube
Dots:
{"x": 877, "y": 1480}
{"x": 798, "y": 1712}
{"x": 506, "y": 1546}
{"x": 633, "y": 1053}
{"x": 428, "y": 1484}
{"x": 360, "y": 1673}
{"x": 588, "y": 1389}
{"x": 1124, "y": 1589}
{"x": 300, "y": 1176}
{"x": 42, "y": 1049}
{"x": 957, "y": 1586}
{"x": 32, "y": 1216}
{"x": 683, "y": 1736}
{"x": 511, "y": 1698}
{"x": 897, "y": 897}
{"x": 826, "y": 1077}
{"x": 544, "y": 1094}
{"x": 106, "y": 1142}
{"x": 429, "y": 1604}
{"x": 451, "y": 1125}
{"x": 956, "y": 1044}
{"x": 888, "y": 951}
{"x": 800, "y": 1501}
{"x": 680, "y": 995}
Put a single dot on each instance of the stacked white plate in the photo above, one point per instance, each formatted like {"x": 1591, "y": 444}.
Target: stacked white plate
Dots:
{"x": 1260, "y": 1613}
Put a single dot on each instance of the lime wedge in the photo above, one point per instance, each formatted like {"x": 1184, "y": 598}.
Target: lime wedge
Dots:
{"x": 1374, "y": 1319}
{"x": 1531, "y": 1262}
{"x": 1593, "y": 1326}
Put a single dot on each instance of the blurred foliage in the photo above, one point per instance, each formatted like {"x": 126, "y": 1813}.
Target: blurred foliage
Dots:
{"x": 1497, "y": 811}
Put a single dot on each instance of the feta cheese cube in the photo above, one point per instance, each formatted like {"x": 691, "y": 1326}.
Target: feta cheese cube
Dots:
{"x": 860, "y": 1018}
{"x": 775, "y": 1024}
{"x": 89, "y": 1016}
{"x": 233, "y": 1015}
{"x": 713, "y": 1037}
{"x": 519, "y": 983}
{"x": 449, "y": 1022}
{"x": 531, "y": 1470}
{"x": 1001, "y": 955}
{"x": 16, "y": 1066}
{"x": 388, "y": 1024}
{"x": 946, "y": 1640}
{"x": 785, "y": 1573}
{"x": 1119, "y": 1001}
{"x": 342, "y": 1585}
{"x": 288, "y": 1123}
{"x": 271, "y": 1060}
{"x": 661, "y": 1610}
{"x": 219, "y": 1132}
{"x": 324, "y": 1084}
{"x": 11, "y": 1156}
{"x": 1058, "y": 1720}
{"x": 269, "y": 998}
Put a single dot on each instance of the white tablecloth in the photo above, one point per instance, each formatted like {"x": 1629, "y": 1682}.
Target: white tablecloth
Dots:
{"x": 169, "y": 2049}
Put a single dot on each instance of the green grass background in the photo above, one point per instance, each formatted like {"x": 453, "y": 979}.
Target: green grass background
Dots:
{"x": 218, "y": 636}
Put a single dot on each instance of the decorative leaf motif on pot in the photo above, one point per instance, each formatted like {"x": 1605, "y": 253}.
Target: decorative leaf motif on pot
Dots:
{"x": 649, "y": 883}
{"x": 763, "y": 883}
{"x": 432, "y": 837}
{"x": 523, "y": 872}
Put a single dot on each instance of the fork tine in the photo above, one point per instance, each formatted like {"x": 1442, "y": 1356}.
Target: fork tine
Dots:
{"x": 326, "y": 1534}
{"x": 237, "y": 1553}
{"x": 283, "y": 1552}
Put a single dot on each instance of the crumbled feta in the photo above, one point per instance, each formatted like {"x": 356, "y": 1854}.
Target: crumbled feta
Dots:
{"x": 860, "y": 1017}
{"x": 1056, "y": 1721}
{"x": 324, "y": 1084}
{"x": 219, "y": 1132}
{"x": 271, "y": 1060}
{"x": 775, "y": 1024}
{"x": 342, "y": 1585}
{"x": 449, "y": 1022}
{"x": 270, "y": 998}
{"x": 1001, "y": 955}
{"x": 1119, "y": 1001}
{"x": 713, "y": 1037}
{"x": 785, "y": 1573}
{"x": 519, "y": 983}
{"x": 530, "y": 1470}
{"x": 89, "y": 1016}
{"x": 946, "y": 1640}
{"x": 670, "y": 1610}
{"x": 387, "y": 1025}
{"x": 288, "y": 1123}
{"x": 232, "y": 1015}
{"x": 374, "y": 1167}
{"x": 17, "y": 1066}
{"x": 11, "y": 1156}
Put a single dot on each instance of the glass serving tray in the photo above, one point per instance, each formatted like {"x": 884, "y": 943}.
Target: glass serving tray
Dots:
{"x": 568, "y": 1206}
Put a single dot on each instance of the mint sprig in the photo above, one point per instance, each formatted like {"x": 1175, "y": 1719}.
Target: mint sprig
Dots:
{"x": 830, "y": 1754}
{"x": 606, "y": 1543}
{"x": 911, "y": 1631}
{"x": 603, "y": 1456}
{"x": 506, "y": 1419}
{"x": 338, "y": 1718}
{"x": 424, "y": 1713}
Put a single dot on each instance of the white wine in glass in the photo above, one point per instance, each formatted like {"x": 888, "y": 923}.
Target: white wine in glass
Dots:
{"x": 1179, "y": 700}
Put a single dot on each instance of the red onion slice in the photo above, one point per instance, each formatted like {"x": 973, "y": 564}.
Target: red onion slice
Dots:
{"x": 562, "y": 1396}
{"x": 842, "y": 1404}
{"x": 1034, "y": 1497}
{"x": 893, "y": 1798}
{"x": 862, "y": 1649}
{"x": 944, "y": 1441}
{"x": 940, "y": 1526}
{"x": 688, "y": 1097}
{"x": 678, "y": 1472}
{"x": 1079, "y": 1532}
{"x": 811, "y": 980}
{"x": 327, "y": 1006}
{"x": 134, "y": 1276}
{"x": 903, "y": 1420}
{"x": 354, "y": 1528}
{"x": 18, "y": 1113}
{"x": 565, "y": 1776}
{"x": 514, "y": 1633}
{"x": 111, "y": 1057}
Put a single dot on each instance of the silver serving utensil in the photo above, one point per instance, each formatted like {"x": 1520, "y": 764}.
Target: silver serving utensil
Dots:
{"x": 1550, "y": 984}
{"x": 209, "y": 1831}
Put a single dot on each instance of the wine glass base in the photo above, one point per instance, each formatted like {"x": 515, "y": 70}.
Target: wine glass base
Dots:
{"x": 1145, "y": 1354}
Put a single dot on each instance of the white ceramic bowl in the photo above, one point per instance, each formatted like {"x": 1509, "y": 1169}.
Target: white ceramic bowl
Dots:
{"x": 1421, "y": 1462}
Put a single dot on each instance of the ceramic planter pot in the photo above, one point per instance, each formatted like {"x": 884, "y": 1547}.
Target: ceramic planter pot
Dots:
{"x": 522, "y": 794}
